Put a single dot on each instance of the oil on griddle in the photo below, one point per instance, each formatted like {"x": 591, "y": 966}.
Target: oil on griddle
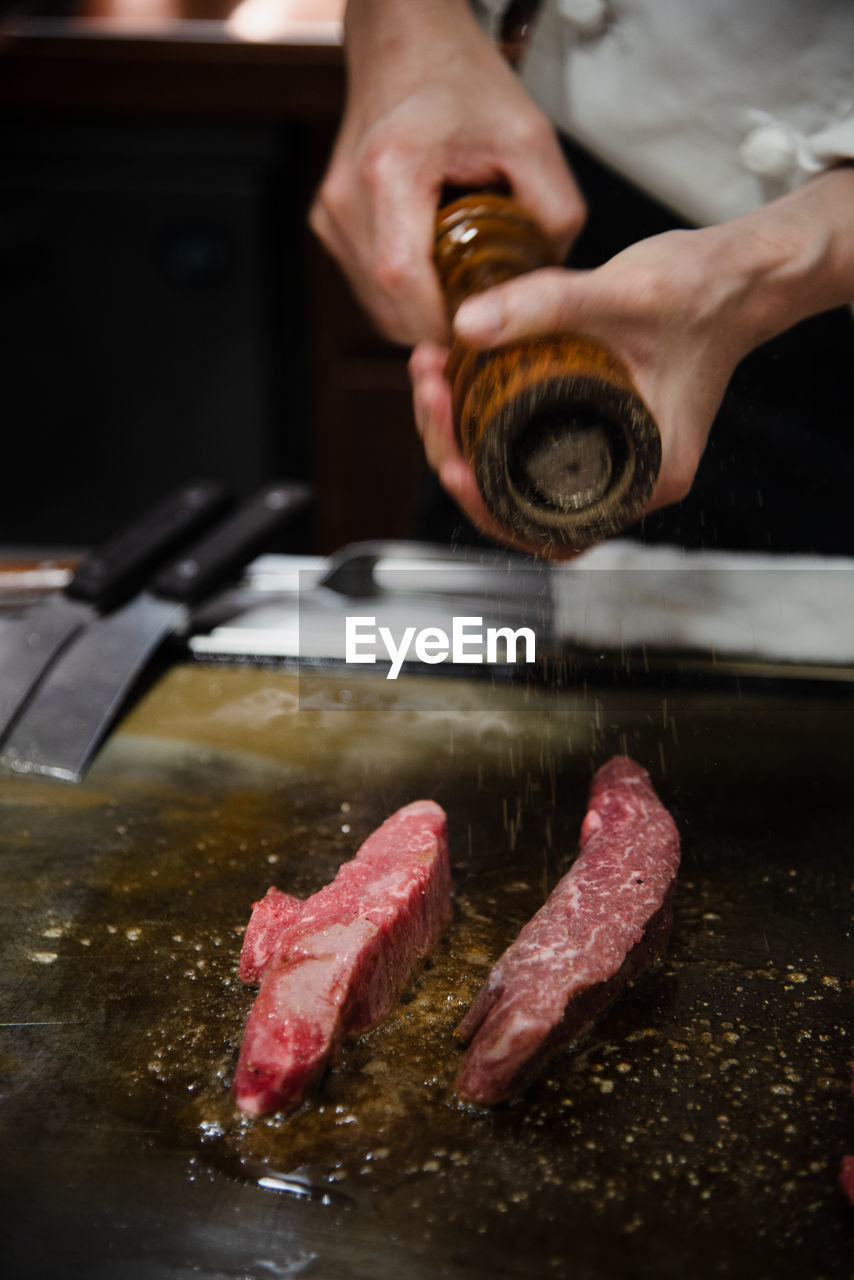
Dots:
{"x": 702, "y": 1121}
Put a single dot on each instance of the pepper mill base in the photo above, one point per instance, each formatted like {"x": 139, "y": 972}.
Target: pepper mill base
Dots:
{"x": 564, "y": 450}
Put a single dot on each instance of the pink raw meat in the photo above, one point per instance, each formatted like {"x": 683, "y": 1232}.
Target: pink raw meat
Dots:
{"x": 846, "y": 1174}
{"x": 846, "y": 1177}
{"x": 271, "y": 918}
{"x": 605, "y": 921}
{"x": 344, "y": 960}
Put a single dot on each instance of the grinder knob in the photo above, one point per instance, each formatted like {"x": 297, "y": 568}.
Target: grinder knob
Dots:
{"x": 564, "y": 450}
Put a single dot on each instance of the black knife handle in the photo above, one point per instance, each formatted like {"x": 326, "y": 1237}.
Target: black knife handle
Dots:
{"x": 121, "y": 566}
{"x": 217, "y": 556}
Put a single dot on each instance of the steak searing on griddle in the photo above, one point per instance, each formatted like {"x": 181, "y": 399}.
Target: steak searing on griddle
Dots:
{"x": 345, "y": 957}
{"x": 846, "y": 1177}
{"x": 605, "y": 921}
{"x": 846, "y": 1173}
{"x": 271, "y": 916}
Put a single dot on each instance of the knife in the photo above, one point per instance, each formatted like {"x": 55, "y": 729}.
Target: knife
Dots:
{"x": 30, "y": 641}
{"x": 83, "y": 692}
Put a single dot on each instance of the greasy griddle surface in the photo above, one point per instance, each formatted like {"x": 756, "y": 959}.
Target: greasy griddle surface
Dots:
{"x": 698, "y": 1130}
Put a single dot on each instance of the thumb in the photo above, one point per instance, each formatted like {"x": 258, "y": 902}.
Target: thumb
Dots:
{"x": 539, "y": 302}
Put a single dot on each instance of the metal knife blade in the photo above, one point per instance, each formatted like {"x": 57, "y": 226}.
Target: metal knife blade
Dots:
{"x": 82, "y": 693}
{"x": 377, "y": 567}
{"x": 30, "y": 641}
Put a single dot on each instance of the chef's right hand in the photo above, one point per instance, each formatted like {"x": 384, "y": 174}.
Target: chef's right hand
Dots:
{"x": 431, "y": 102}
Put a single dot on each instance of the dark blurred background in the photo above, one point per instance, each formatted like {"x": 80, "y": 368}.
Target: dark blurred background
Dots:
{"x": 164, "y": 312}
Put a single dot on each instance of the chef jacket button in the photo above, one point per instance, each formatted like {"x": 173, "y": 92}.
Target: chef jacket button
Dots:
{"x": 768, "y": 151}
{"x": 589, "y": 17}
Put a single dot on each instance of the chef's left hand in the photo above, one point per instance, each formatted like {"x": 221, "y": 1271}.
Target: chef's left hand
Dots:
{"x": 680, "y": 309}
{"x": 659, "y": 305}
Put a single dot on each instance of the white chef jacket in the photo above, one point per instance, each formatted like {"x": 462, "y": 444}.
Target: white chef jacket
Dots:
{"x": 713, "y": 107}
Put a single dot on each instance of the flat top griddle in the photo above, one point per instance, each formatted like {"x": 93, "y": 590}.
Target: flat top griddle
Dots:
{"x": 700, "y": 1127}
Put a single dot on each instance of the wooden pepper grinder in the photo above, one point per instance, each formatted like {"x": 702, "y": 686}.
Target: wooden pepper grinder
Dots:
{"x": 564, "y": 450}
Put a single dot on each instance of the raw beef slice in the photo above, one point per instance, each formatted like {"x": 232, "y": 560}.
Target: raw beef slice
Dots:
{"x": 342, "y": 962}
{"x": 272, "y": 917}
{"x": 605, "y": 921}
{"x": 846, "y": 1173}
{"x": 846, "y": 1177}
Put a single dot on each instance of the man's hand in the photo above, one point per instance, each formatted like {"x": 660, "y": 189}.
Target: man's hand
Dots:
{"x": 652, "y": 305}
{"x": 430, "y": 103}
{"x": 680, "y": 309}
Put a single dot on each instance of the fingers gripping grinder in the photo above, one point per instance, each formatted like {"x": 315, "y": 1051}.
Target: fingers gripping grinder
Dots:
{"x": 564, "y": 450}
